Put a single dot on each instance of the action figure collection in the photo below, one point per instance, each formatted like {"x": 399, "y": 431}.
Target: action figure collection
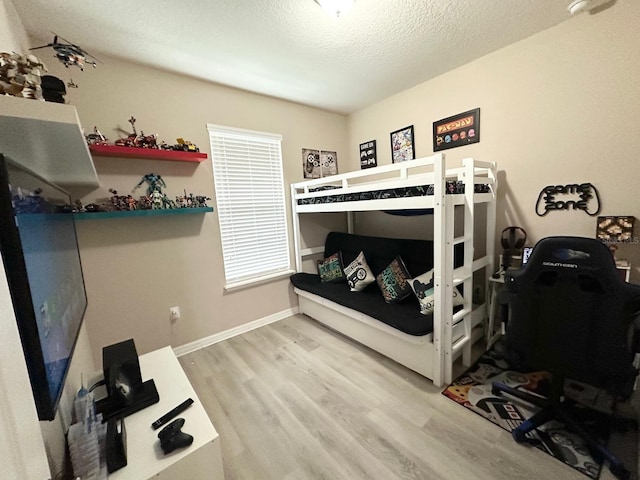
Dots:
{"x": 155, "y": 199}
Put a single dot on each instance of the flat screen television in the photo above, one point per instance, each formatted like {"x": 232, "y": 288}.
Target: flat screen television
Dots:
{"x": 42, "y": 263}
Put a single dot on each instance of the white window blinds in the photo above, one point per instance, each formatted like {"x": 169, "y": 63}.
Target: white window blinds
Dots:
{"x": 248, "y": 178}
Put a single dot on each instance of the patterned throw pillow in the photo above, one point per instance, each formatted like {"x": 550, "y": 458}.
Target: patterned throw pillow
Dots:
{"x": 330, "y": 269}
{"x": 422, "y": 286}
{"x": 394, "y": 281}
{"x": 358, "y": 273}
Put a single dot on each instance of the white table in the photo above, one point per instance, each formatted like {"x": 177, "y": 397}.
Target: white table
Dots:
{"x": 146, "y": 460}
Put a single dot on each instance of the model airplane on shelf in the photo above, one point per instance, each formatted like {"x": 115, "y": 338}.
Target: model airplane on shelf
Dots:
{"x": 70, "y": 54}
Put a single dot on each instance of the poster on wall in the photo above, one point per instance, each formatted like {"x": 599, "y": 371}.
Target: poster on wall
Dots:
{"x": 368, "y": 154}
{"x": 311, "y": 163}
{"x": 456, "y": 131}
{"x": 319, "y": 163}
{"x": 328, "y": 163}
{"x": 402, "y": 145}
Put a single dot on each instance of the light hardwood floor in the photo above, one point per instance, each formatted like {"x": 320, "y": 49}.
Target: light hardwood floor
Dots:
{"x": 294, "y": 400}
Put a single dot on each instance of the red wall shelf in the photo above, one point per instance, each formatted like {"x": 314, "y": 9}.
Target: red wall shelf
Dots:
{"x": 146, "y": 153}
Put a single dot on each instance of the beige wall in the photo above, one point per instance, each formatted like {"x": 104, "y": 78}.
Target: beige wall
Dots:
{"x": 136, "y": 269}
{"x": 559, "y": 107}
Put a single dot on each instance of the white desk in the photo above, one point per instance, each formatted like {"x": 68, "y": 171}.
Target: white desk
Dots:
{"x": 202, "y": 460}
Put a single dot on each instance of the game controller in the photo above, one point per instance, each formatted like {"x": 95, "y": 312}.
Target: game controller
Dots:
{"x": 172, "y": 437}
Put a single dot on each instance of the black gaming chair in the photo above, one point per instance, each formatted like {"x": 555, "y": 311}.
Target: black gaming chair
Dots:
{"x": 571, "y": 314}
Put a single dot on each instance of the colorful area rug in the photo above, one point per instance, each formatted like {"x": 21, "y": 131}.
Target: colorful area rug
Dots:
{"x": 472, "y": 390}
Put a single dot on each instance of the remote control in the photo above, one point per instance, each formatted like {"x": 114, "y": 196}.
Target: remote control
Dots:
{"x": 172, "y": 413}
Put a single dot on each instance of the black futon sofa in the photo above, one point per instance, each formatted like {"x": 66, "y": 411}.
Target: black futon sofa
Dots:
{"x": 379, "y": 252}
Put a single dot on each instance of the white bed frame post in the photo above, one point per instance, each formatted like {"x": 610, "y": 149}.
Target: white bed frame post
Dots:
{"x": 491, "y": 237}
{"x": 295, "y": 219}
{"x": 441, "y": 337}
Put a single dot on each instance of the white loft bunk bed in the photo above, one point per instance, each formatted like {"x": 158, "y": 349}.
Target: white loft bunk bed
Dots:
{"x": 430, "y": 355}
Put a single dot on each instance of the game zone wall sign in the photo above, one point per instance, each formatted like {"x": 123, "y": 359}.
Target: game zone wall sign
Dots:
{"x": 573, "y": 196}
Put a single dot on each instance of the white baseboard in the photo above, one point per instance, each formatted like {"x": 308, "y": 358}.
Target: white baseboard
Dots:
{"x": 232, "y": 332}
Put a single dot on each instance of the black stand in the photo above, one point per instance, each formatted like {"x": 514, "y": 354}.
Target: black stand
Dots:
{"x": 553, "y": 407}
{"x": 146, "y": 395}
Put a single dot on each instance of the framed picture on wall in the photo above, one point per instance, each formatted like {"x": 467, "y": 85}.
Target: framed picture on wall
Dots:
{"x": 328, "y": 163}
{"x": 311, "y": 163}
{"x": 402, "y": 145}
{"x": 368, "y": 157}
{"x": 457, "y": 130}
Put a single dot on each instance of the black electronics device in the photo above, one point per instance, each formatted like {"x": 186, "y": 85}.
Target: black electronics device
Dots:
{"x": 126, "y": 392}
{"x": 172, "y": 413}
{"x": 116, "y": 444}
{"x": 122, "y": 370}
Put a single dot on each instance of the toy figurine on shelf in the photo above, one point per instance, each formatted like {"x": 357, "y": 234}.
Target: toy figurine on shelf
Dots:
{"x": 135, "y": 140}
{"x": 201, "y": 201}
{"x": 182, "y": 145}
{"x": 156, "y": 200}
{"x": 145, "y": 203}
{"x": 167, "y": 202}
{"x": 96, "y": 138}
{"x": 131, "y": 203}
{"x": 78, "y": 207}
{"x": 154, "y": 181}
{"x": 118, "y": 202}
{"x": 20, "y": 75}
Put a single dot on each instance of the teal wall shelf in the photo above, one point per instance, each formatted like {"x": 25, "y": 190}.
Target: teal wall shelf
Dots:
{"x": 140, "y": 213}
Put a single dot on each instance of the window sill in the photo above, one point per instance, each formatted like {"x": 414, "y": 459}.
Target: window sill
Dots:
{"x": 231, "y": 287}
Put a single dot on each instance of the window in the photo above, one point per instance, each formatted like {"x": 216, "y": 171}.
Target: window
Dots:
{"x": 248, "y": 178}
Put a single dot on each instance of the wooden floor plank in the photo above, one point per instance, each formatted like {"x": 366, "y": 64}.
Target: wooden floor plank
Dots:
{"x": 294, "y": 400}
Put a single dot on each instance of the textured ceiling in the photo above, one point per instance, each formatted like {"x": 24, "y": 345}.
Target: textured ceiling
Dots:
{"x": 291, "y": 49}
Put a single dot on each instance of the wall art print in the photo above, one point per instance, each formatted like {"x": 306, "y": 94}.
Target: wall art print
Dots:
{"x": 328, "y": 163}
{"x": 319, "y": 163}
{"x": 457, "y": 130}
{"x": 615, "y": 229}
{"x": 311, "y": 163}
{"x": 368, "y": 157}
{"x": 402, "y": 145}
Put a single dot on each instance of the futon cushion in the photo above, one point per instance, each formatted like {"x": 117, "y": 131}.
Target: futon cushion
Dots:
{"x": 379, "y": 252}
{"x": 330, "y": 268}
{"x": 404, "y": 316}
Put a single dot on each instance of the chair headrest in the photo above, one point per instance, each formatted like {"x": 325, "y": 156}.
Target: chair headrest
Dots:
{"x": 573, "y": 254}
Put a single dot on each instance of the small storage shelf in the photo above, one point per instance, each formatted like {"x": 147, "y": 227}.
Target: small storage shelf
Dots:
{"x": 146, "y": 153}
{"x": 140, "y": 213}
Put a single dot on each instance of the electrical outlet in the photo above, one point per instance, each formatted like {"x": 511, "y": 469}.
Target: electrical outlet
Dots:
{"x": 174, "y": 313}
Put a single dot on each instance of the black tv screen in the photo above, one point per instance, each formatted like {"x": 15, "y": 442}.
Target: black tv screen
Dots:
{"x": 42, "y": 264}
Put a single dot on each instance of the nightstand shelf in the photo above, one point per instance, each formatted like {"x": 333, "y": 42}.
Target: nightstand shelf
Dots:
{"x": 146, "y": 153}
{"x": 140, "y": 213}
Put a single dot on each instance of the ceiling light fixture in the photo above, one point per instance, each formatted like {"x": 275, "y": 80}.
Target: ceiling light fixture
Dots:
{"x": 578, "y": 6}
{"x": 336, "y": 8}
